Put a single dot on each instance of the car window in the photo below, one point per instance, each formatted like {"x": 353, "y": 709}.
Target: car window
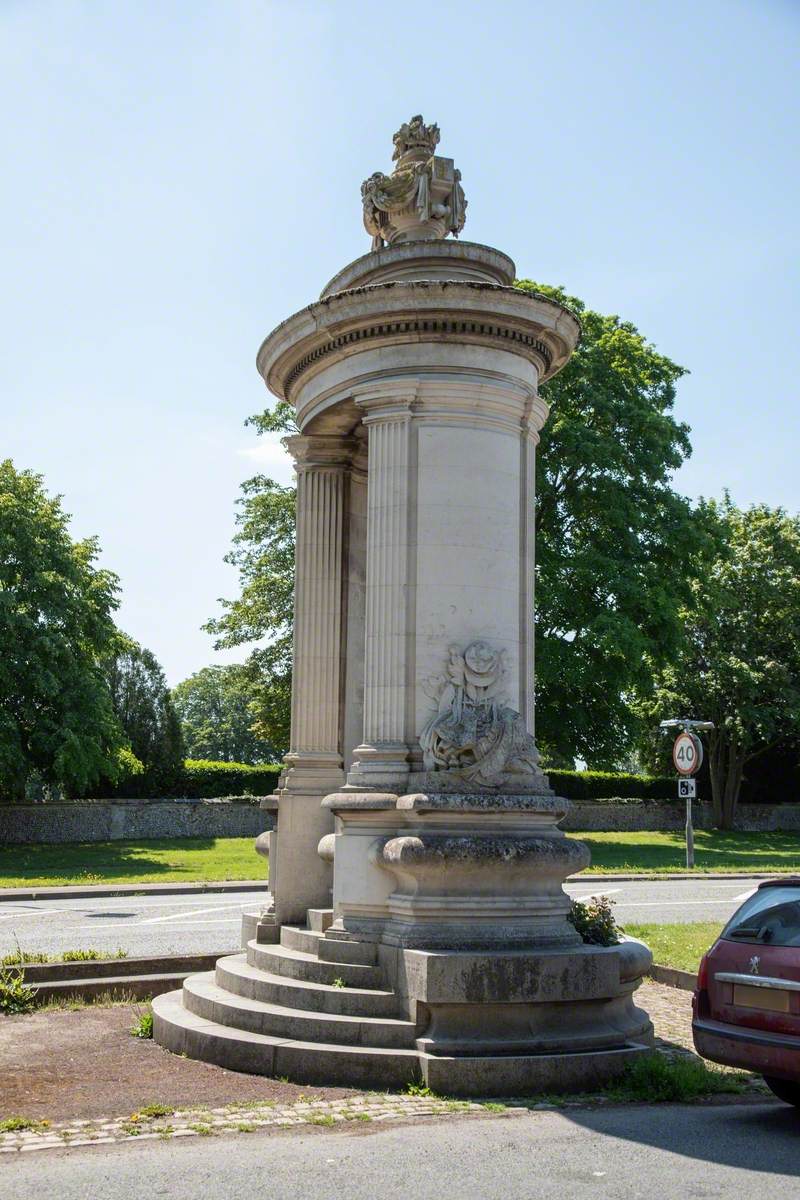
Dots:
{"x": 770, "y": 917}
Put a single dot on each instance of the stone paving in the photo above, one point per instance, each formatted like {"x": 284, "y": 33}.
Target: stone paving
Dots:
{"x": 670, "y": 1009}
{"x": 152, "y": 1122}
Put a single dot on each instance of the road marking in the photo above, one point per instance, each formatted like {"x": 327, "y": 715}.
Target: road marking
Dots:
{"x": 39, "y": 912}
{"x": 196, "y": 912}
{"x": 591, "y": 895}
{"x": 232, "y": 920}
{"x": 746, "y": 895}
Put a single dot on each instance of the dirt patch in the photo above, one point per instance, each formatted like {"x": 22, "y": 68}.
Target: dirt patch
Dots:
{"x": 58, "y": 1065}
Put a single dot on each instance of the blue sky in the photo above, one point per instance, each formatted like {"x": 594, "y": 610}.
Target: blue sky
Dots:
{"x": 179, "y": 177}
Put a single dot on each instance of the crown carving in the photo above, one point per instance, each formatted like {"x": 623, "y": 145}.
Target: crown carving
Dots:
{"x": 422, "y": 199}
{"x": 415, "y": 137}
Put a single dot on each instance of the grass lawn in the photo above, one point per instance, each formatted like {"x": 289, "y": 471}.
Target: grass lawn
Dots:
{"x": 189, "y": 860}
{"x": 167, "y": 860}
{"x": 680, "y": 946}
{"x": 713, "y": 851}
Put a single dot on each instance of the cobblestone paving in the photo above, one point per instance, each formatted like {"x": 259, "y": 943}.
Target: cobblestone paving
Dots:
{"x": 670, "y": 1009}
{"x": 152, "y": 1122}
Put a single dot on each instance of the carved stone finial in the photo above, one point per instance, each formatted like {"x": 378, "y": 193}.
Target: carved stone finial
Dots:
{"x": 422, "y": 199}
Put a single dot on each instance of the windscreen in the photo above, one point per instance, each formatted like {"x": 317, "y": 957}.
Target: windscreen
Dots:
{"x": 771, "y": 917}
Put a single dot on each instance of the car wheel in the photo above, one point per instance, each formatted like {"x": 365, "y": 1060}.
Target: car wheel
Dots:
{"x": 784, "y": 1089}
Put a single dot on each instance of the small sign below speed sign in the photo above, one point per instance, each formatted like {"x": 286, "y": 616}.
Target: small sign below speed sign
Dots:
{"x": 687, "y": 789}
{"x": 687, "y": 753}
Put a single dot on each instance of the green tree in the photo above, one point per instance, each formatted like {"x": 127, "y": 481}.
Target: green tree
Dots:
{"x": 263, "y": 552}
{"x": 56, "y": 718}
{"x": 143, "y": 705}
{"x": 613, "y": 539}
{"x": 214, "y": 707}
{"x": 738, "y": 663}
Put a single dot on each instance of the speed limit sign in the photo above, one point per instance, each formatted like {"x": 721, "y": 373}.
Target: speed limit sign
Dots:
{"x": 687, "y": 753}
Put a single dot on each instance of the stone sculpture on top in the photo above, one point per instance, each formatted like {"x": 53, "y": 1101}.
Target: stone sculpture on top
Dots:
{"x": 421, "y": 199}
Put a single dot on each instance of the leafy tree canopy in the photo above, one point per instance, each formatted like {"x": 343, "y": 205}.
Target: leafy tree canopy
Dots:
{"x": 738, "y": 663}
{"x": 613, "y": 540}
{"x": 144, "y": 708}
{"x": 263, "y": 552}
{"x": 612, "y": 537}
{"x": 56, "y": 718}
{"x": 214, "y": 707}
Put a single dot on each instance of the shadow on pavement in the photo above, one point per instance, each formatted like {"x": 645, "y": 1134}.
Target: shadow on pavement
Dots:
{"x": 762, "y": 1136}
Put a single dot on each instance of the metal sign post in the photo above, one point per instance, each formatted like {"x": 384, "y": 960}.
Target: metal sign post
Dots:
{"x": 687, "y": 790}
{"x": 687, "y": 755}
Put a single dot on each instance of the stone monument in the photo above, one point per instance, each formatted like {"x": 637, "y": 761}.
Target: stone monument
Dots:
{"x": 416, "y": 923}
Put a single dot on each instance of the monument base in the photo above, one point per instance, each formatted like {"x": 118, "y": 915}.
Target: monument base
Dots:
{"x": 448, "y": 956}
{"x": 322, "y": 1008}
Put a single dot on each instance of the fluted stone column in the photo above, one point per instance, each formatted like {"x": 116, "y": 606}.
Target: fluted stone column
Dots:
{"x": 527, "y": 697}
{"x": 382, "y": 759}
{"x": 299, "y": 879}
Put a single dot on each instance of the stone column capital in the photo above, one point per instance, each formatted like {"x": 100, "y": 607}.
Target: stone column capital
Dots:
{"x": 392, "y": 401}
{"x": 315, "y": 451}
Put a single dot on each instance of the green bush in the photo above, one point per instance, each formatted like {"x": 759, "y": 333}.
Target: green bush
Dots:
{"x": 595, "y": 921}
{"x": 198, "y": 780}
{"x": 206, "y": 780}
{"x": 15, "y": 995}
{"x": 142, "y": 1027}
{"x": 605, "y": 785}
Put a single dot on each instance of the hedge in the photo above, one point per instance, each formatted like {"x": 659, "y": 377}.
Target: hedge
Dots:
{"x": 204, "y": 780}
{"x": 606, "y": 785}
{"x": 198, "y": 780}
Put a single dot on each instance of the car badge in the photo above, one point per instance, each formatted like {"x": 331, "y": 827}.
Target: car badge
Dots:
{"x": 755, "y": 963}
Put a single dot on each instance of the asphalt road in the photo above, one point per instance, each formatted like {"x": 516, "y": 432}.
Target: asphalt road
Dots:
{"x": 729, "y": 1152}
{"x": 209, "y": 923}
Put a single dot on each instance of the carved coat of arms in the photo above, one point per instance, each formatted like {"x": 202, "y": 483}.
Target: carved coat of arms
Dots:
{"x": 474, "y": 732}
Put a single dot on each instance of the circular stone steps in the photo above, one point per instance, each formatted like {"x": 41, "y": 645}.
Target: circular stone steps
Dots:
{"x": 342, "y": 951}
{"x": 205, "y": 998}
{"x": 185, "y": 1032}
{"x": 235, "y": 974}
{"x": 297, "y": 964}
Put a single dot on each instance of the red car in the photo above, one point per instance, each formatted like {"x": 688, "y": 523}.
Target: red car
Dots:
{"x": 746, "y": 1010}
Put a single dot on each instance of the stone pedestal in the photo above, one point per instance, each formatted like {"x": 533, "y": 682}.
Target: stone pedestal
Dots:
{"x": 417, "y": 920}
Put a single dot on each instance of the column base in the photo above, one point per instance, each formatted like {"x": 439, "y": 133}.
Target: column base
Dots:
{"x": 379, "y": 768}
{"x": 299, "y": 878}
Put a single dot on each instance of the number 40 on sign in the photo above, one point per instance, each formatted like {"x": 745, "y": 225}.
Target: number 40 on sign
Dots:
{"x": 687, "y": 753}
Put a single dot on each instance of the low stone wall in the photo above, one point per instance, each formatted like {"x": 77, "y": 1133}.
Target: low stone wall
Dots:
{"x": 113, "y": 820}
{"x": 649, "y": 816}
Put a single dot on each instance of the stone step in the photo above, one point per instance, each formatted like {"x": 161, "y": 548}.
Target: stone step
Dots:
{"x": 319, "y": 919}
{"x": 295, "y": 964}
{"x": 235, "y": 974}
{"x": 309, "y": 941}
{"x": 203, "y": 996}
{"x": 184, "y": 1032}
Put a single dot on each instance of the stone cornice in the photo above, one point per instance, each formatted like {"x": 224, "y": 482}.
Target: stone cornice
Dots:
{"x": 425, "y": 260}
{"x": 321, "y": 450}
{"x": 393, "y": 313}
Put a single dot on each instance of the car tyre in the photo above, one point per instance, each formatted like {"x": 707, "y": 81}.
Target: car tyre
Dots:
{"x": 784, "y": 1089}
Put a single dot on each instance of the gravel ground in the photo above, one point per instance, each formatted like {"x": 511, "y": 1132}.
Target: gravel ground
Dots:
{"x": 62, "y": 1065}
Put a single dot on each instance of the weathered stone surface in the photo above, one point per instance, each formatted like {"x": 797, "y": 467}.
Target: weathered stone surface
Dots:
{"x": 413, "y": 764}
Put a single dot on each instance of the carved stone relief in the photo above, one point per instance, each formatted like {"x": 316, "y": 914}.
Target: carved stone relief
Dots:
{"x": 474, "y": 734}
